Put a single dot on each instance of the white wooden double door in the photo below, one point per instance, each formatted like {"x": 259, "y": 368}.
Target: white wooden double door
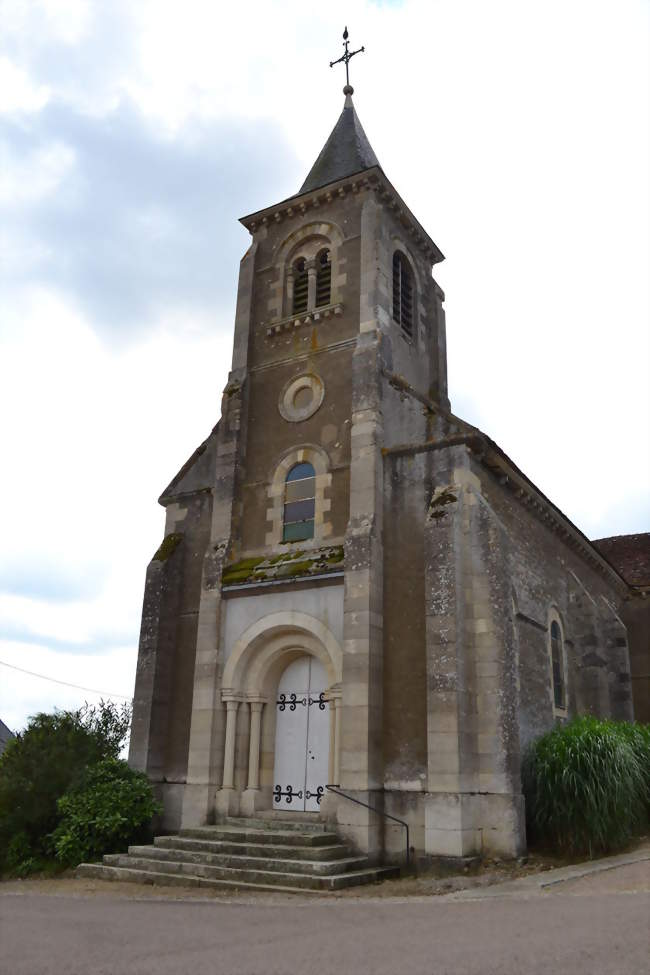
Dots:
{"x": 302, "y": 735}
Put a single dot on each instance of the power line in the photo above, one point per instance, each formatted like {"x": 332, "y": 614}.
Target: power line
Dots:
{"x": 53, "y": 680}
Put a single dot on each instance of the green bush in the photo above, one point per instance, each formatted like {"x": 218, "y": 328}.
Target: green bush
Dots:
{"x": 40, "y": 765}
{"x": 587, "y": 786}
{"x": 112, "y": 807}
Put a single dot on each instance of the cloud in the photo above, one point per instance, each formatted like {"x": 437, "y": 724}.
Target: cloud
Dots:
{"x": 96, "y": 432}
{"x": 49, "y": 578}
{"x": 22, "y": 694}
{"x": 17, "y": 92}
{"x": 129, "y": 224}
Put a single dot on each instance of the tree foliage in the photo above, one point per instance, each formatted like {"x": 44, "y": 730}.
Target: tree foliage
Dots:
{"x": 40, "y": 765}
{"x": 587, "y": 785}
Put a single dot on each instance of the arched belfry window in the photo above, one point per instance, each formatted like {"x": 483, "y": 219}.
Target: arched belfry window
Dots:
{"x": 299, "y": 503}
{"x": 558, "y": 666}
{"x": 323, "y": 279}
{"x": 402, "y": 293}
{"x": 300, "y": 287}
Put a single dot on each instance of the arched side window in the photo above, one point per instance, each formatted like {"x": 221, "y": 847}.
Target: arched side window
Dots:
{"x": 300, "y": 287}
{"x": 402, "y": 293}
{"x": 323, "y": 279}
{"x": 558, "y": 666}
{"x": 299, "y": 503}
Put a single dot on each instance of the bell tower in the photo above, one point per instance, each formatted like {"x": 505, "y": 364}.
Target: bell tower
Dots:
{"x": 339, "y": 356}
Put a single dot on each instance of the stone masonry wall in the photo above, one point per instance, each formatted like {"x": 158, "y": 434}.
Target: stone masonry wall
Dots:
{"x": 547, "y": 574}
{"x": 163, "y": 692}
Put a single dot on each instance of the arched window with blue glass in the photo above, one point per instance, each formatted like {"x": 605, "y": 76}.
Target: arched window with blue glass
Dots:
{"x": 299, "y": 503}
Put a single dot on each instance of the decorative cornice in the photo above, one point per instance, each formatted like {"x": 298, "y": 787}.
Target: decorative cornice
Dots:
{"x": 295, "y": 321}
{"x": 370, "y": 180}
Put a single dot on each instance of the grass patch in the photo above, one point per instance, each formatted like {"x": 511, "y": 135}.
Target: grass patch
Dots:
{"x": 587, "y": 786}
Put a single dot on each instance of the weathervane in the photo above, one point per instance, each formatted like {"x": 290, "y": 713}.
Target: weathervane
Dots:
{"x": 348, "y": 90}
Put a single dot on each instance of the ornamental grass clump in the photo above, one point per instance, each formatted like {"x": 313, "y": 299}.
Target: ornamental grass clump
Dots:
{"x": 587, "y": 786}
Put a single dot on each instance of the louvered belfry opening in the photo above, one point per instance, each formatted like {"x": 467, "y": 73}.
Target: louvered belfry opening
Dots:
{"x": 299, "y": 503}
{"x": 323, "y": 279}
{"x": 402, "y": 293}
{"x": 300, "y": 287}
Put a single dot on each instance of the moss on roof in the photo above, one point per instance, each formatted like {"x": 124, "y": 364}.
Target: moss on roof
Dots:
{"x": 289, "y": 565}
{"x": 168, "y": 546}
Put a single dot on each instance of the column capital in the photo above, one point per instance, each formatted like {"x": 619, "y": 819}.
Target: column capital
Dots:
{"x": 232, "y": 703}
{"x": 256, "y": 703}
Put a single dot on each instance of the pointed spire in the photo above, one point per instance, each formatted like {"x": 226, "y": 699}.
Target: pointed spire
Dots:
{"x": 346, "y": 152}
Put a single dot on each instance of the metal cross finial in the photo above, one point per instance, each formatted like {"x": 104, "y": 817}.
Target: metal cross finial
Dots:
{"x": 348, "y": 90}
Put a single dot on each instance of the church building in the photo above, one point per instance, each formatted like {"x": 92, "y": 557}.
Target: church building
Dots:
{"x": 356, "y": 588}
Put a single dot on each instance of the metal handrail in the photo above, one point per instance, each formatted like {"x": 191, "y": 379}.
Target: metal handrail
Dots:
{"x": 380, "y": 812}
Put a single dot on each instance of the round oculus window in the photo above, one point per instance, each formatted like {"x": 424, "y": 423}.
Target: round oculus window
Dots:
{"x": 301, "y": 397}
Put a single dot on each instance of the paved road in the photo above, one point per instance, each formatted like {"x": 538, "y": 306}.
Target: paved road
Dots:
{"x": 598, "y": 934}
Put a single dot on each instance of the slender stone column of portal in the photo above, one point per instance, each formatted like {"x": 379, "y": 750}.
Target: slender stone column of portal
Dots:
{"x": 229, "y": 748}
{"x": 252, "y": 798}
{"x": 254, "y": 747}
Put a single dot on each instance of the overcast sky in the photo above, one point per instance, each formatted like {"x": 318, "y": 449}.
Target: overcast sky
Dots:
{"x": 132, "y": 137}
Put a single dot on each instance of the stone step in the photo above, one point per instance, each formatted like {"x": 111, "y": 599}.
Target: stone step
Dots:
{"x": 333, "y": 851}
{"x": 101, "y": 871}
{"x": 238, "y": 862}
{"x": 237, "y": 834}
{"x": 265, "y": 879}
{"x": 272, "y": 819}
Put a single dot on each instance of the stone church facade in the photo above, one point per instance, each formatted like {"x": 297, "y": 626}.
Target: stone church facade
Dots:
{"x": 357, "y": 588}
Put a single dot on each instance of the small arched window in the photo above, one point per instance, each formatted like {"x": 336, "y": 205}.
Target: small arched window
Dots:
{"x": 299, "y": 503}
{"x": 402, "y": 293}
{"x": 557, "y": 665}
{"x": 300, "y": 287}
{"x": 323, "y": 279}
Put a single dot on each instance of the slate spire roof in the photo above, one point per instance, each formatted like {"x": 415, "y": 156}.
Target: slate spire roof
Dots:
{"x": 346, "y": 152}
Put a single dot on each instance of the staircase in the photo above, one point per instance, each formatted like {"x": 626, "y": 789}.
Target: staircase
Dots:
{"x": 289, "y": 855}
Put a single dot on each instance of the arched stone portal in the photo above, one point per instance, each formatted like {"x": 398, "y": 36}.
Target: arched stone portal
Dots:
{"x": 252, "y": 675}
